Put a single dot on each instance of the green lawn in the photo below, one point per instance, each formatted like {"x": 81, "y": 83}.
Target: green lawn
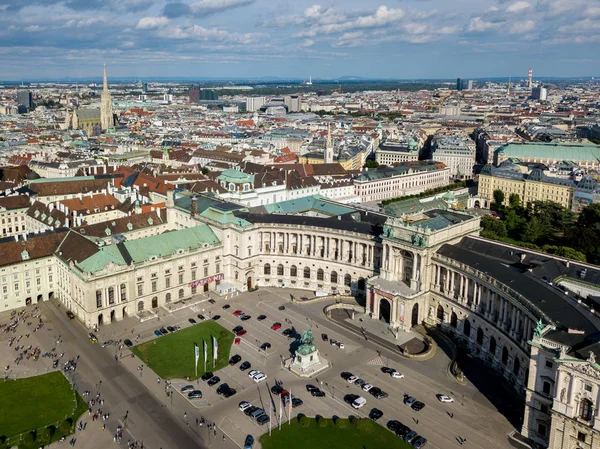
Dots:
{"x": 172, "y": 356}
{"x": 339, "y": 435}
{"x": 36, "y": 402}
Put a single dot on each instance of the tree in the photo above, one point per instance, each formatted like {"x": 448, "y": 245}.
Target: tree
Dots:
{"x": 499, "y": 197}
{"x": 565, "y": 251}
{"x": 371, "y": 163}
{"x": 533, "y": 230}
{"x": 493, "y": 227}
{"x": 204, "y": 170}
{"x": 514, "y": 200}
{"x": 590, "y": 217}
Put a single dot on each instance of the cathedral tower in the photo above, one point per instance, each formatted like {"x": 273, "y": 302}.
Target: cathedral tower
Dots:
{"x": 106, "y": 110}
{"x": 329, "y": 149}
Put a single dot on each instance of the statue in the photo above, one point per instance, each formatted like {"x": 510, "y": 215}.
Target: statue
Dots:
{"x": 307, "y": 337}
{"x": 539, "y": 327}
{"x": 307, "y": 346}
{"x": 563, "y": 392}
{"x": 592, "y": 358}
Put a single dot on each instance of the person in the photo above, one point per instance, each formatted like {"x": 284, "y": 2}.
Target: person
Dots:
{"x": 223, "y": 437}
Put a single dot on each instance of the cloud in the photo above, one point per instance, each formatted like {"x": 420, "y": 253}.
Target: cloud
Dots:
{"x": 518, "y": 7}
{"x": 202, "y": 8}
{"x": 522, "y": 27}
{"x": 151, "y": 23}
{"x": 480, "y": 25}
{"x": 307, "y": 43}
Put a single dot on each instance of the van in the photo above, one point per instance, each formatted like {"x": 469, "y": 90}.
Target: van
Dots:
{"x": 359, "y": 402}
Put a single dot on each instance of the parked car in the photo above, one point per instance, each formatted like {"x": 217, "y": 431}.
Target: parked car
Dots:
{"x": 262, "y": 420}
{"x": 281, "y": 308}
{"x": 55, "y": 364}
{"x": 375, "y": 414}
{"x": 244, "y": 405}
{"x": 350, "y": 398}
{"x": 229, "y": 392}
{"x": 261, "y": 317}
{"x": 253, "y": 372}
{"x": 234, "y": 359}
{"x": 237, "y": 340}
{"x": 409, "y": 400}
{"x": 248, "y": 411}
{"x": 317, "y": 393}
{"x": 340, "y": 345}
{"x": 70, "y": 314}
{"x": 310, "y": 388}
{"x": 237, "y": 329}
{"x": 241, "y": 333}
{"x": 352, "y": 379}
{"x": 276, "y": 326}
{"x": 418, "y": 405}
{"x": 260, "y": 377}
{"x": 245, "y": 317}
{"x": 397, "y": 375}
{"x": 402, "y": 431}
{"x": 345, "y": 375}
{"x": 222, "y": 388}
{"x": 324, "y": 337}
{"x": 418, "y": 442}
{"x": 107, "y": 343}
{"x": 276, "y": 389}
{"x": 237, "y": 313}
{"x": 256, "y": 413}
{"x": 226, "y": 306}
{"x": 206, "y": 376}
{"x": 361, "y": 383}
{"x": 411, "y": 436}
{"x": 212, "y": 301}
{"x": 171, "y": 329}
{"x": 333, "y": 342}
{"x": 163, "y": 331}
{"x": 367, "y": 387}
{"x": 187, "y": 388}
{"x": 392, "y": 424}
{"x": 157, "y": 333}
{"x": 387, "y": 370}
{"x": 359, "y": 402}
{"x": 213, "y": 381}
{"x": 244, "y": 366}
{"x": 380, "y": 394}
{"x": 265, "y": 346}
{"x": 216, "y": 317}
{"x": 192, "y": 321}
{"x": 201, "y": 317}
{"x": 287, "y": 332}
{"x": 249, "y": 442}
{"x": 444, "y": 398}
{"x": 297, "y": 402}
{"x": 196, "y": 394}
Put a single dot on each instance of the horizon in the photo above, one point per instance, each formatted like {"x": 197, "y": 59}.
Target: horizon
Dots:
{"x": 253, "y": 39}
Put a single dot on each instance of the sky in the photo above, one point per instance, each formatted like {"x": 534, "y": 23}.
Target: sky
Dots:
{"x": 403, "y": 39}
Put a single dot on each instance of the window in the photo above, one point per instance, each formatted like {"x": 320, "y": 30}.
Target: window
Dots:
{"x": 306, "y": 273}
{"x": 167, "y": 271}
{"x": 168, "y": 297}
{"x": 279, "y": 270}
{"x": 293, "y": 271}
{"x": 544, "y": 408}
{"x": 140, "y": 289}
{"x": 181, "y": 278}
{"x": 334, "y": 277}
{"x": 38, "y": 281}
{"x": 154, "y": 286}
{"x": 546, "y": 388}
{"x": 549, "y": 364}
{"x": 581, "y": 437}
{"x": 587, "y": 387}
{"x": 180, "y": 268}
{"x": 193, "y": 275}
{"x": 267, "y": 269}
{"x": 217, "y": 268}
{"x": 348, "y": 280}
{"x": 320, "y": 274}
{"x": 586, "y": 409}
{"x": 123, "y": 293}
{"x": 111, "y": 295}
{"x": 181, "y": 293}
{"x": 154, "y": 275}
{"x": 168, "y": 282}
{"x": 205, "y": 271}
{"x": 194, "y": 289}
{"x": 98, "y": 298}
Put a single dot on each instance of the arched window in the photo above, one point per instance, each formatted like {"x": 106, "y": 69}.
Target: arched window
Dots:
{"x": 279, "y": 270}
{"x": 306, "y": 273}
{"x": 320, "y": 274}
{"x": 334, "y": 277}
{"x": 516, "y": 366}
{"x": 453, "y": 320}
{"x": 586, "y": 409}
{"x": 181, "y": 293}
{"x": 293, "y": 271}
{"x": 267, "y": 268}
{"x": 504, "y": 355}
{"x": 140, "y": 306}
{"x": 440, "y": 312}
{"x": 111, "y": 295}
{"x": 348, "y": 280}
{"x": 479, "y": 336}
{"x": 123, "y": 292}
{"x": 467, "y": 328}
{"x": 492, "y": 345}
{"x": 168, "y": 297}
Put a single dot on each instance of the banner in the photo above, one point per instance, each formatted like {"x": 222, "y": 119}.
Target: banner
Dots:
{"x": 215, "y": 348}
{"x": 196, "y": 356}
{"x": 205, "y": 353}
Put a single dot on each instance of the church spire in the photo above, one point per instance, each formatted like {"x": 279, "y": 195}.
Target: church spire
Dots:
{"x": 329, "y": 142}
{"x": 105, "y": 79}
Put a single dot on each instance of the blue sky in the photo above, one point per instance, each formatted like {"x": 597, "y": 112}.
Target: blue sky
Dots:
{"x": 326, "y": 39}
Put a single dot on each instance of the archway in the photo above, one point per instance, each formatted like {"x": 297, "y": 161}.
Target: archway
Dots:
{"x": 492, "y": 346}
{"x": 479, "y": 336}
{"x": 477, "y": 204}
{"x": 205, "y": 287}
{"x": 124, "y": 311}
{"x": 440, "y": 313}
{"x": 453, "y": 320}
{"x": 385, "y": 310}
{"x": 361, "y": 284}
{"x": 415, "y": 315}
{"x": 249, "y": 283}
{"x": 155, "y": 302}
{"x": 39, "y": 298}
{"x": 467, "y": 328}
{"x": 100, "y": 319}
{"x": 516, "y": 366}
{"x": 140, "y": 306}
{"x": 504, "y": 355}
{"x": 112, "y": 316}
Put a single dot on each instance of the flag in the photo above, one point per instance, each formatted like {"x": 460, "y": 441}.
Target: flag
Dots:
{"x": 215, "y": 348}
{"x": 196, "y": 356}
{"x": 280, "y": 412}
{"x": 205, "y": 353}
{"x": 270, "y": 409}
{"x": 290, "y": 409}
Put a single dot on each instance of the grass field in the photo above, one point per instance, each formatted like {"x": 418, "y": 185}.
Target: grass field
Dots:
{"x": 36, "y": 402}
{"x": 172, "y": 356}
{"x": 339, "y": 435}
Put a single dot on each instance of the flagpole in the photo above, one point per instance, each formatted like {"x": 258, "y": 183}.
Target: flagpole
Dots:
{"x": 290, "y": 410}
{"x": 270, "y": 410}
{"x": 280, "y": 412}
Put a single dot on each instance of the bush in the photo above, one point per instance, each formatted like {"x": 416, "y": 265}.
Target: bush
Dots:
{"x": 304, "y": 421}
{"x": 48, "y": 433}
{"x": 30, "y": 437}
{"x": 65, "y": 426}
{"x": 2, "y": 439}
{"x": 322, "y": 422}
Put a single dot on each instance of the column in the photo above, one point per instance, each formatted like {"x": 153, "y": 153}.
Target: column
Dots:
{"x": 461, "y": 288}
{"x": 414, "y": 267}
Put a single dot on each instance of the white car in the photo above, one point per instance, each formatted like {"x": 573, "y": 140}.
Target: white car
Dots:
{"x": 244, "y": 406}
{"x": 253, "y": 373}
{"x": 359, "y": 402}
{"x": 351, "y": 379}
{"x": 367, "y": 387}
{"x": 259, "y": 377}
{"x": 397, "y": 375}
{"x": 444, "y": 398}
{"x": 340, "y": 345}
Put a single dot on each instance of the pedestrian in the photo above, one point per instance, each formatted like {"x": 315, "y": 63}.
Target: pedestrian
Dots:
{"x": 184, "y": 415}
{"x": 223, "y": 437}
{"x": 104, "y": 426}
{"x": 158, "y": 380}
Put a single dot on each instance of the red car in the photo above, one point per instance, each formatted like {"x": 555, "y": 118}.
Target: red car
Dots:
{"x": 276, "y": 326}
{"x": 236, "y": 341}
{"x": 237, "y": 313}
{"x": 242, "y": 332}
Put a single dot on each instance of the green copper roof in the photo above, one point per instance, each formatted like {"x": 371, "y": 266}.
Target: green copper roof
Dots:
{"x": 224, "y": 217}
{"x": 305, "y": 204}
{"x": 141, "y": 250}
{"x": 235, "y": 176}
{"x": 557, "y": 151}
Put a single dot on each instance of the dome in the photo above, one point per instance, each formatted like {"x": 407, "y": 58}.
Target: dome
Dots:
{"x": 587, "y": 183}
{"x": 536, "y": 175}
{"x": 412, "y": 144}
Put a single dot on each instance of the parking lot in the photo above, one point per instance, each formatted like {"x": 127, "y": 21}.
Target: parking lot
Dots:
{"x": 471, "y": 416}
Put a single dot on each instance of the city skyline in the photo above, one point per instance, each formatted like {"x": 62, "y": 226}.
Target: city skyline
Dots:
{"x": 412, "y": 39}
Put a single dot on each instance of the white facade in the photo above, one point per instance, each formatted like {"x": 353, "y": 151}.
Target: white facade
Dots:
{"x": 458, "y": 154}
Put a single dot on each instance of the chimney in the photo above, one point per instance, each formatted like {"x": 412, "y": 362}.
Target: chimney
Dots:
{"x": 194, "y": 206}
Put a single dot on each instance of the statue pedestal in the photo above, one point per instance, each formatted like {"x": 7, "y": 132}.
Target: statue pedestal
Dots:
{"x": 306, "y": 362}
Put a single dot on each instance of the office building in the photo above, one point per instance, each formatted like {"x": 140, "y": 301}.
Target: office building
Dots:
{"x": 459, "y": 83}
{"x": 253, "y": 104}
{"x": 539, "y": 93}
{"x": 456, "y": 153}
{"x": 194, "y": 95}
{"x": 24, "y": 99}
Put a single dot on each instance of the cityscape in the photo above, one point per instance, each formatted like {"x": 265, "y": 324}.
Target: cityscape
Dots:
{"x": 303, "y": 241}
